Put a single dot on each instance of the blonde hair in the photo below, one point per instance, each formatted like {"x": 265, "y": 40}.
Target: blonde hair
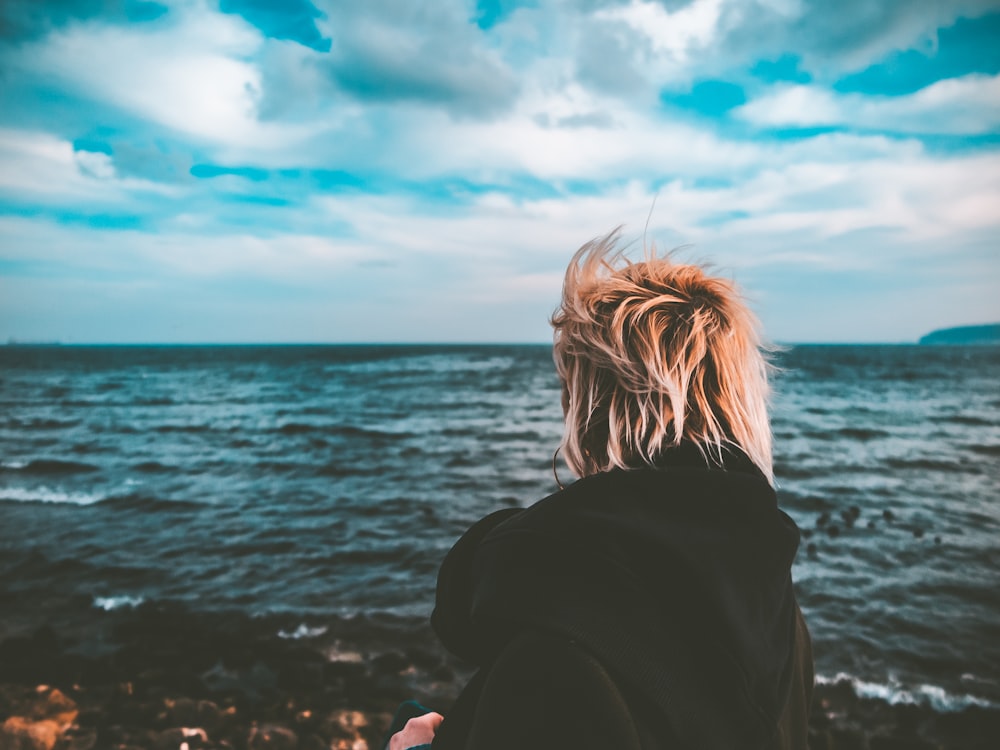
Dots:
{"x": 654, "y": 353}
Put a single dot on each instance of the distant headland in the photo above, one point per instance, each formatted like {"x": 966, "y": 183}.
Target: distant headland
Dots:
{"x": 979, "y": 335}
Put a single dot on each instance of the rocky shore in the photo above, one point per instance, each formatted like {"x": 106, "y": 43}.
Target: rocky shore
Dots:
{"x": 167, "y": 679}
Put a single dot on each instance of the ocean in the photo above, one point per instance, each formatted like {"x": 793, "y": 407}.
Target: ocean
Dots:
{"x": 306, "y": 486}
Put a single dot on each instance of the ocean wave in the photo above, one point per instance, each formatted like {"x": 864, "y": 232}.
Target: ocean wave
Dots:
{"x": 298, "y": 428}
{"x": 152, "y": 467}
{"x": 927, "y": 464}
{"x": 966, "y": 420}
{"x": 48, "y": 466}
{"x": 895, "y": 693}
{"x": 109, "y": 603}
{"x": 41, "y": 424}
{"x": 985, "y": 450}
{"x": 862, "y": 434}
{"x": 45, "y": 495}
{"x": 143, "y": 502}
{"x": 303, "y": 631}
{"x": 194, "y": 429}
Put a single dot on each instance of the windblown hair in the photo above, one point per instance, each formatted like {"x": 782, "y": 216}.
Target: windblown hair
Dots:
{"x": 652, "y": 354}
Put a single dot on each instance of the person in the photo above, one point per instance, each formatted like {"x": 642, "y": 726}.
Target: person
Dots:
{"x": 650, "y": 603}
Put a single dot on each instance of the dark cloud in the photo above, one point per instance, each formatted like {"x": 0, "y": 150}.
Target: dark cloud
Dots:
{"x": 28, "y": 19}
{"x": 841, "y": 37}
{"x": 967, "y": 47}
{"x": 396, "y": 51}
{"x": 605, "y": 59}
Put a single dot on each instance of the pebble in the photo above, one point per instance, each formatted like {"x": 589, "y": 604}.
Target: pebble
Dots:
{"x": 272, "y": 737}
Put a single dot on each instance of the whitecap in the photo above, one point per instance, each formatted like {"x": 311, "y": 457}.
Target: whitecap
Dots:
{"x": 303, "y": 631}
{"x": 13, "y": 464}
{"x": 45, "y": 495}
{"x": 895, "y": 693}
{"x": 109, "y": 603}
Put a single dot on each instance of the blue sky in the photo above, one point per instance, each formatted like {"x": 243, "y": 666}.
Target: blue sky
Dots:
{"x": 392, "y": 170}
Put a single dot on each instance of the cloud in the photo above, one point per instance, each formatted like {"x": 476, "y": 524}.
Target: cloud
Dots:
{"x": 28, "y": 19}
{"x": 40, "y": 167}
{"x": 963, "y": 106}
{"x": 396, "y": 51}
{"x": 674, "y": 35}
{"x": 446, "y": 160}
{"x": 190, "y": 75}
{"x": 835, "y": 38}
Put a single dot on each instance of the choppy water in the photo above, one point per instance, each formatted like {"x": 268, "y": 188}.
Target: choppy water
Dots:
{"x": 321, "y": 482}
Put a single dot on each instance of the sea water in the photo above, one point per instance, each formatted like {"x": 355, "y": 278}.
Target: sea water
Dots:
{"x": 320, "y": 483}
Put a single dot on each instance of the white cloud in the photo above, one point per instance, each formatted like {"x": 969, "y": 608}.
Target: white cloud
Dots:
{"x": 675, "y": 35}
{"x": 968, "y": 105}
{"x": 39, "y": 166}
{"x": 96, "y": 164}
{"x": 194, "y": 75}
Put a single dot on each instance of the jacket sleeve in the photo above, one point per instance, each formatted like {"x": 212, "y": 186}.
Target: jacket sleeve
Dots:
{"x": 793, "y": 727}
{"x": 451, "y": 617}
{"x": 545, "y": 692}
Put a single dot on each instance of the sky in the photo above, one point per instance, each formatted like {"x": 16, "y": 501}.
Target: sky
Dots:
{"x": 404, "y": 171}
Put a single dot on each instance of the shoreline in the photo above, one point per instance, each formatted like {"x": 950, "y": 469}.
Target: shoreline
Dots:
{"x": 169, "y": 678}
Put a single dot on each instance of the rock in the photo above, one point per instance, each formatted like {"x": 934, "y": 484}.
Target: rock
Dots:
{"x": 390, "y": 663}
{"x": 820, "y": 740}
{"x": 53, "y": 704}
{"x": 881, "y": 742}
{"x": 79, "y": 738}
{"x": 19, "y": 733}
{"x": 345, "y": 724}
{"x": 272, "y": 737}
{"x": 45, "y": 719}
{"x": 847, "y": 739}
{"x": 171, "y": 739}
{"x": 184, "y": 712}
{"x": 850, "y": 515}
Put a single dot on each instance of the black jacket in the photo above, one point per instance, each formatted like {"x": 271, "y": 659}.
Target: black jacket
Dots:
{"x": 646, "y": 609}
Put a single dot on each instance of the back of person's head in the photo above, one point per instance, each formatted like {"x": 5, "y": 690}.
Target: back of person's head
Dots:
{"x": 652, "y": 354}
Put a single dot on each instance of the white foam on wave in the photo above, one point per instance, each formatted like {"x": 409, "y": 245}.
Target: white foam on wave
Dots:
{"x": 13, "y": 464}
{"x": 109, "y": 603}
{"x": 303, "y": 631}
{"x": 895, "y": 693}
{"x": 45, "y": 495}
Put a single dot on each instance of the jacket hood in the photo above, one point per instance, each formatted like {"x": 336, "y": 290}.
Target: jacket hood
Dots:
{"x": 676, "y": 578}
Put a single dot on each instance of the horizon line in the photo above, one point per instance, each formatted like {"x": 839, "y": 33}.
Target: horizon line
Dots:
{"x": 13, "y": 343}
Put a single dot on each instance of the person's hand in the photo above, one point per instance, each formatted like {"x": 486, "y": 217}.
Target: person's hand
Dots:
{"x": 417, "y": 731}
